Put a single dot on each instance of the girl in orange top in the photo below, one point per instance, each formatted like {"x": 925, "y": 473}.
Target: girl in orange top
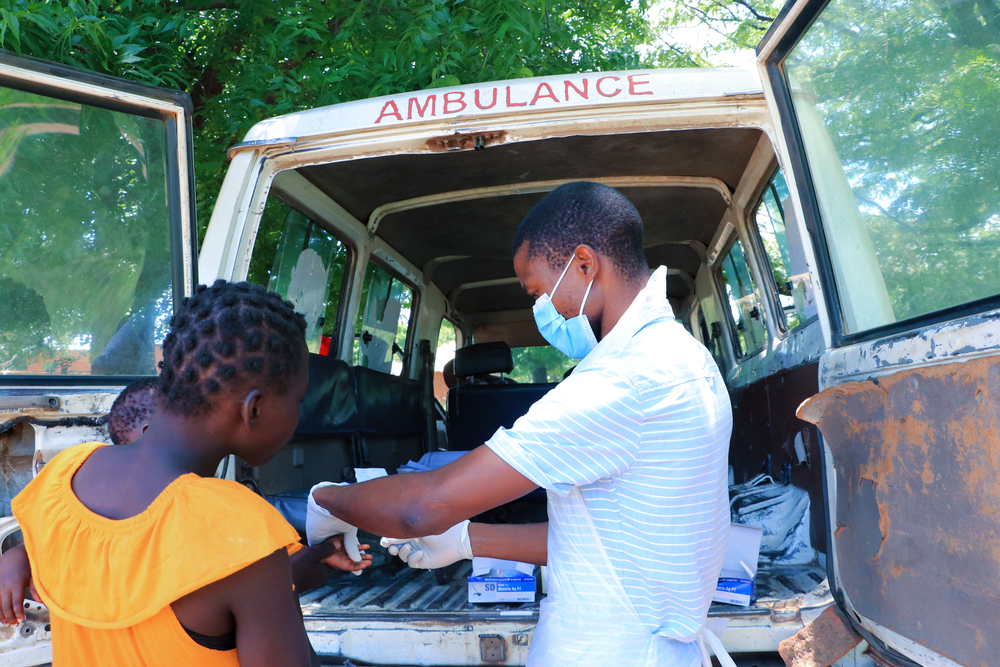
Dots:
{"x": 144, "y": 557}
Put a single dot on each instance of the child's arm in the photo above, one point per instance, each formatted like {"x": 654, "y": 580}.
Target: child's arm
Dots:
{"x": 259, "y": 601}
{"x": 15, "y": 576}
{"x": 311, "y": 565}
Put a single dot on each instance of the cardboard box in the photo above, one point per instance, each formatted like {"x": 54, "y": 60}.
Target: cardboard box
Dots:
{"x": 494, "y": 580}
{"x": 739, "y": 569}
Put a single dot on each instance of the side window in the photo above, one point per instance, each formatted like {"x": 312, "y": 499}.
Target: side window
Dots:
{"x": 783, "y": 250}
{"x": 85, "y": 253}
{"x": 304, "y": 263}
{"x": 744, "y": 306}
{"x": 897, "y": 112}
{"x": 383, "y": 322}
{"x": 446, "y": 344}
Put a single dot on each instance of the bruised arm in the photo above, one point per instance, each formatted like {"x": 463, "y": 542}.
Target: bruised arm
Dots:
{"x": 427, "y": 503}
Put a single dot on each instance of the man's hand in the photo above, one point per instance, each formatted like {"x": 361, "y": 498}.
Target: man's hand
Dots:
{"x": 433, "y": 551}
{"x": 15, "y": 576}
{"x": 311, "y": 566}
{"x": 320, "y": 524}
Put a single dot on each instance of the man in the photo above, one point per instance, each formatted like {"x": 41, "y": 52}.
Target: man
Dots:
{"x": 632, "y": 449}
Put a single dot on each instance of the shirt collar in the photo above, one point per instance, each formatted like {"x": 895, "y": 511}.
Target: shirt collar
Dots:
{"x": 649, "y": 305}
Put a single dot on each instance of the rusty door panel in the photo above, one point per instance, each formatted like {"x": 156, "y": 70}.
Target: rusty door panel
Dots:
{"x": 918, "y": 502}
{"x": 764, "y": 422}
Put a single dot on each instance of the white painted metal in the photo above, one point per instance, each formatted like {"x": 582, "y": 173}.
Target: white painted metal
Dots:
{"x": 635, "y": 88}
{"x": 545, "y": 186}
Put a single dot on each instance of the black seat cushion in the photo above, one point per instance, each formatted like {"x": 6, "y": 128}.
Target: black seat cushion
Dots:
{"x": 329, "y": 406}
{"x": 387, "y": 404}
{"x": 483, "y": 358}
{"x": 475, "y": 412}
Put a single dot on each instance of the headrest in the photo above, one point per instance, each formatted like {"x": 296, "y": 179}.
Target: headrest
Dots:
{"x": 483, "y": 358}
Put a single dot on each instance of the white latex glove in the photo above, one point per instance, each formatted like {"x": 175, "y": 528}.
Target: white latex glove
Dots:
{"x": 433, "y": 551}
{"x": 320, "y": 524}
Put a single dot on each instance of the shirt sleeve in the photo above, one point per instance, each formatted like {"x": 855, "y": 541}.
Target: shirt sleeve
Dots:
{"x": 587, "y": 428}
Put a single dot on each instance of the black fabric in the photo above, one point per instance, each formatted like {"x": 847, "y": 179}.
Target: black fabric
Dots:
{"x": 329, "y": 406}
{"x": 392, "y": 419}
{"x": 226, "y": 642}
{"x": 483, "y": 358}
{"x": 475, "y": 412}
{"x": 292, "y": 504}
{"x": 388, "y": 405}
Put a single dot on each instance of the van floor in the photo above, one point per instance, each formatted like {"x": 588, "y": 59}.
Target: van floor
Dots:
{"x": 408, "y": 594}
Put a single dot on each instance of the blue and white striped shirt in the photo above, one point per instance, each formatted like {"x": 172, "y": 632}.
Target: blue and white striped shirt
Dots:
{"x": 642, "y": 426}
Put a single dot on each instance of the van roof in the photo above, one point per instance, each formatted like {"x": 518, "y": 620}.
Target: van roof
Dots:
{"x": 403, "y": 166}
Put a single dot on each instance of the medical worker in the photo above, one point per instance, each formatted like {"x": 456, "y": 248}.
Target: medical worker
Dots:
{"x": 632, "y": 449}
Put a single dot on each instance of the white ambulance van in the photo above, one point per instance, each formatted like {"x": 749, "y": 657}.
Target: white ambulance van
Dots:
{"x": 829, "y": 222}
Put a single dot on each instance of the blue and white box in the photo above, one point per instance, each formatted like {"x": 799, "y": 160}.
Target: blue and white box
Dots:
{"x": 739, "y": 569}
{"x": 495, "y": 580}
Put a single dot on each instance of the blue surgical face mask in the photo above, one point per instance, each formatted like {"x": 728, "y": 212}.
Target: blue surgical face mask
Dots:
{"x": 574, "y": 338}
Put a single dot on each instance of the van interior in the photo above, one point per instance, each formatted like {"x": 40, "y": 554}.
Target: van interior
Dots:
{"x": 441, "y": 286}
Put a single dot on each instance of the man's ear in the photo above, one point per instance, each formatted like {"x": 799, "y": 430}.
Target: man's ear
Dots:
{"x": 250, "y": 409}
{"x": 587, "y": 261}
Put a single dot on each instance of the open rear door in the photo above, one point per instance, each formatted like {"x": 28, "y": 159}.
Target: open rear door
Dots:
{"x": 889, "y": 129}
{"x": 97, "y": 243}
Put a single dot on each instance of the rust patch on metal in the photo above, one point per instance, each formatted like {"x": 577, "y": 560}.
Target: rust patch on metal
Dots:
{"x": 916, "y": 456}
{"x": 466, "y": 141}
{"x": 821, "y": 643}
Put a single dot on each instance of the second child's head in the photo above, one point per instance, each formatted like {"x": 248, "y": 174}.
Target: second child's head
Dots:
{"x": 236, "y": 348}
{"x": 131, "y": 411}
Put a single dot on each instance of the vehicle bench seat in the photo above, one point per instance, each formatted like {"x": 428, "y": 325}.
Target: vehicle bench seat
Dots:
{"x": 481, "y": 403}
{"x": 351, "y": 417}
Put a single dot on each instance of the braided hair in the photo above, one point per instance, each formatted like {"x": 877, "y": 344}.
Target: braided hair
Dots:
{"x": 134, "y": 404}
{"x": 226, "y": 335}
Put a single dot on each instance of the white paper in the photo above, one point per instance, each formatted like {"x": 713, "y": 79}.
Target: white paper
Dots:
{"x": 367, "y": 474}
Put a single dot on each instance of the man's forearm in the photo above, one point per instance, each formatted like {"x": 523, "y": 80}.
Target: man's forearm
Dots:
{"x": 527, "y": 543}
{"x": 388, "y": 506}
{"x": 426, "y": 503}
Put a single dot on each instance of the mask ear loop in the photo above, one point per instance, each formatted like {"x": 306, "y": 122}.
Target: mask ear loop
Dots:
{"x": 553, "y": 292}
{"x": 585, "y": 295}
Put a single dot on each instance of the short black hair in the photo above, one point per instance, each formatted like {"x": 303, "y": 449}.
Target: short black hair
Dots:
{"x": 585, "y": 213}
{"x": 227, "y": 334}
{"x": 136, "y": 403}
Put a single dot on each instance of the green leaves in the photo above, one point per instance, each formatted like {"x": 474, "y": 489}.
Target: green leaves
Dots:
{"x": 248, "y": 60}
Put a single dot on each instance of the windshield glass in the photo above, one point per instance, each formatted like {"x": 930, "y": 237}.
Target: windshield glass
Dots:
{"x": 540, "y": 364}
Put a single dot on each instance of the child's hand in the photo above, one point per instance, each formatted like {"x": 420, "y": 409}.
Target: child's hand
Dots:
{"x": 311, "y": 566}
{"x": 15, "y": 576}
{"x": 338, "y": 559}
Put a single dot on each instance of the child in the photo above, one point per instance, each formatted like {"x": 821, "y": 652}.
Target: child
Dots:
{"x": 170, "y": 565}
{"x": 131, "y": 411}
{"x": 127, "y": 421}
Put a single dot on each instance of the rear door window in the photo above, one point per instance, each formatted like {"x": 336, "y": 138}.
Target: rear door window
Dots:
{"x": 380, "y": 340}
{"x": 96, "y": 241}
{"x": 896, "y": 105}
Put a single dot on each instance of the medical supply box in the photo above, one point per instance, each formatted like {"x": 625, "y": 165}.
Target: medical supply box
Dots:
{"x": 739, "y": 569}
{"x": 495, "y": 580}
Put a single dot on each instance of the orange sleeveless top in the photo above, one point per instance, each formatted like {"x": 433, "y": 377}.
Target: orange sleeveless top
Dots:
{"x": 109, "y": 583}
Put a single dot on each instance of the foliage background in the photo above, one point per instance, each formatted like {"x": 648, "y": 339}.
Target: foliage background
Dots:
{"x": 246, "y": 60}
